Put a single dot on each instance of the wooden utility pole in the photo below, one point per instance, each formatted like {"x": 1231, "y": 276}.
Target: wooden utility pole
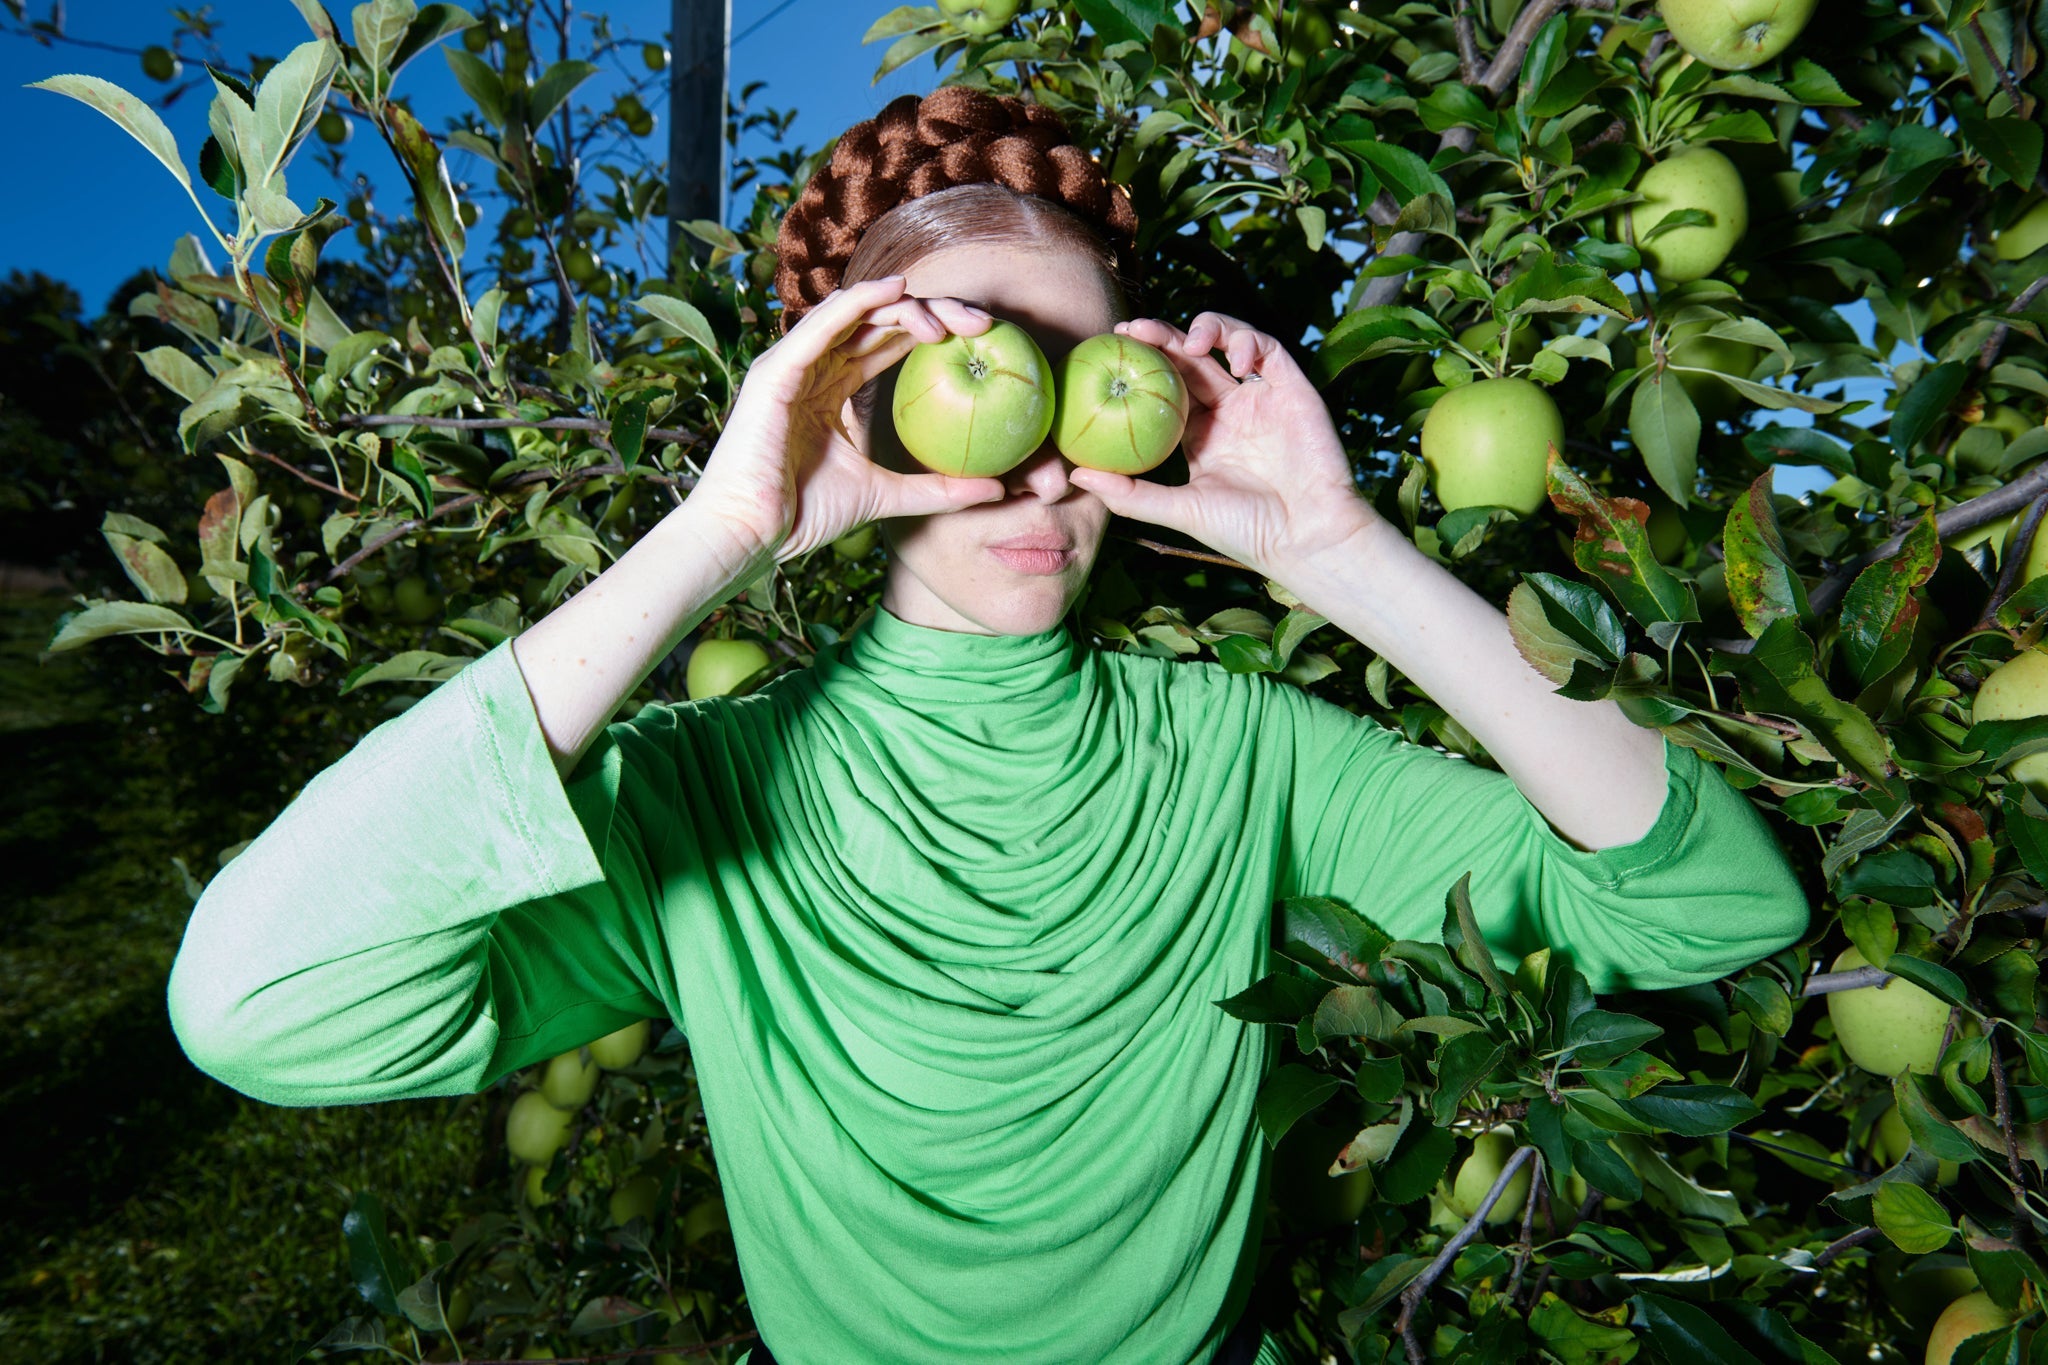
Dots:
{"x": 696, "y": 117}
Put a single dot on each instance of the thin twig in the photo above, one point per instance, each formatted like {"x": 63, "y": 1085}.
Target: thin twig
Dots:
{"x": 672, "y": 435}
{"x": 2016, "y": 554}
{"x": 1527, "y": 1247}
{"x": 1417, "y": 1288}
{"x": 2004, "y": 1115}
{"x": 301, "y": 474}
{"x": 2012, "y": 91}
{"x": 1827, "y": 983}
{"x": 1996, "y": 339}
{"x": 1840, "y": 1245}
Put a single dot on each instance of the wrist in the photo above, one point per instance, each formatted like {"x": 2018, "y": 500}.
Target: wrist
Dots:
{"x": 1354, "y": 535}
{"x": 737, "y": 556}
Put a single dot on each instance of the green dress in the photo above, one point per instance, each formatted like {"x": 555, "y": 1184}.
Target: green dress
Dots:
{"x": 945, "y": 918}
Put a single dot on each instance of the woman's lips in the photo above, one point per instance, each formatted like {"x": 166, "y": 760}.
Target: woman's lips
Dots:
{"x": 1035, "y": 561}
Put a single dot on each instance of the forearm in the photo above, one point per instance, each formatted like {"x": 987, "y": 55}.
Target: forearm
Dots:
{"x": 1594, "y": 774}
{"x": 587, "y": 656}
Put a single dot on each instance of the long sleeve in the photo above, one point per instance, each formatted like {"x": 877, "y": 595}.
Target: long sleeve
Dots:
{"x": 433, "y": 911}
{"x": 1388, "y": 827}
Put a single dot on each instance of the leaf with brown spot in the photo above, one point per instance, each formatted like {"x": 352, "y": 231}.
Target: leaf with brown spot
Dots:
{"x": 1613, "y": 544}
{"x": 1762, "y": 584}
{"x": 1879, "y": 610}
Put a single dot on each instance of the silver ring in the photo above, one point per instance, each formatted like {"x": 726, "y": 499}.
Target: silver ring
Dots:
{"x": 1250, "y": 377}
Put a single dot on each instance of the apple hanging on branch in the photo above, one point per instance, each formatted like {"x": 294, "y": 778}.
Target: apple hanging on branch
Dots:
{"x": 1735, "y": 35}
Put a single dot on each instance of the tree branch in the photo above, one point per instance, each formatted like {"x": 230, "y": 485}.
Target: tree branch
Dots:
{"x": 1418, "y": 1288}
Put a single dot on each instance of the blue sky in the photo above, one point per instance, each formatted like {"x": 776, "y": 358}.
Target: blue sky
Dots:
{"x": 90, "y": 206}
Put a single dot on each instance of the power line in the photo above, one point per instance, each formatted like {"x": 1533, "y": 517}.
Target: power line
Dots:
{"x": 758, "y": 23}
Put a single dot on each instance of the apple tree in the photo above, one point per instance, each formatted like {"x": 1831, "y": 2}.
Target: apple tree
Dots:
{"x": 1706, "y": 340}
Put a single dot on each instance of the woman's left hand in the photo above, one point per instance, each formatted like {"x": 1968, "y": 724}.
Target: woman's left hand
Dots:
{"x": 1268, "y": 483}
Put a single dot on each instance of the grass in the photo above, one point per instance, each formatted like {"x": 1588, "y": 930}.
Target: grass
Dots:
{"x": 155, "y": 1215}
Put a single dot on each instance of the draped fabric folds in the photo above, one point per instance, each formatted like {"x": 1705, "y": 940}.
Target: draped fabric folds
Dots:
{"x": 944, "y": 917}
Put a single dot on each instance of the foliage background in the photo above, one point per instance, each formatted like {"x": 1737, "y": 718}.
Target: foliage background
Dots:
{"x": 1366, "y": 187}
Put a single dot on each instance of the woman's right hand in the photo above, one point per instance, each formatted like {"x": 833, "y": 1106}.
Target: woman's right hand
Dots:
{"x": 786, "y": 475}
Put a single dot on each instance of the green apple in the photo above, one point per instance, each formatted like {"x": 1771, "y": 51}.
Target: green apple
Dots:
{"x": 1120, "y": 406}
{"x": 579, "y": 264}
{"x": 569, "y": 1081}
{"x": 974, "y": 407}
{"x": 1734, "y": 35}
{"x": 2017, "y": 689}
{"x": 1890, "y": 1028}
{"x": 1302, "y": 1186}
{"x": 979, "y": 17}
{"x": 655, "y": 56}
{"x": 1714, "y": 398}
{"x": 718, "y": 666}
{"x": 415, "y": 601}
{"x": 616, "y": 1051}
{"x": 1965, "y": 1318}
{"x": 160, "y": 64}
{"x": 2037, "y": 552}
{"x": 1488, "y": 444}
{"x": 535, "y": 1130}
{"x": 458, "y": 1308}
{"x": 536, "y": 1193}
{"x": 333, "y": 127}
{"x": 1666, "y": 529}
{"x": 634, "y": 1199}
{"x": 1490, "y": 1153}
{"x": 855, "y": 544}
{"x": 1697, "y": 178}
{"x": 2027, "y": 235}
{"x": 1996, "y": 532}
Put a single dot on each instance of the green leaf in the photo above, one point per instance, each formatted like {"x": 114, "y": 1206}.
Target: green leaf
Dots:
{"x": 1879, "y": 611}
{"x": 1379, "y": 1079}
{"x": 1121, "y": 21}
{"x": 148, "y": 567}
{"x": 1371, "y": 332}
{"x": 115, "y": 618}
{"x": 1766, "y": 1004}
{"x": 1686, "y": 1334}
{"x": 1921, "y": 406}
{"x": 2011, "y": 143}
{"x": 555, "y": 85}
{"x": 412, "y": 665}
{"x": 373, "y": 1262}
{"x": 1355, "y": 1012}
{"x": 1778, "y": 678}
{"x": 289, "y": 103}
{"x": 479, "y": 82}
{"x": 901, "y": 20}
{"x": 1461, "y": 935}
{"x": 177, "y": 371}
{"x": 1911, "y": 1217}
{"x": 2029, "y": 836}
{"x": 1931, "y": 977}
{"x": 1419, "y": 1161}
{"x": 1762, "y": 583}
{"x": 1612, "y": 543}
{"x": 1331, "y": 931}
{"x": 1666, "y": 429}
{"x": 1558, "y": 622}
{"x": 1462, "y": 1063}
{"x": 1686, "y": 1195}
{"x": 1280, "y": 998}
{"x": 1604, "y": 1169}
{"x": 629, "y": 425}
{"x": 687, "y": 322}
{"x": 1693, "y": 1110}
{"x": 1633, "y": 1075}
{"x": 379, "y": 28}
{"x": 1551, "y": 285}
{"x": 130, "y": 111}
{"x": 1598, "y": 1037}
{"x": 1290, "y": 1092}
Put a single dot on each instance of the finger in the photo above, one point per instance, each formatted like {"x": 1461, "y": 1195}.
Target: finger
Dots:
{"x": 1207, "y": 381}
{"x": 1248, "y": 350}
{"x": 828, "y": 324}
{"x": 891, "y": 349}
{"x": 960, "y": 317}
{"x": 1139, "y": 499}
{"x": 919, "y": 495}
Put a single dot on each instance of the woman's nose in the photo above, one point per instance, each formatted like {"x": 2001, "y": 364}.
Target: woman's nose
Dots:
{"x": 1043, "y": 473}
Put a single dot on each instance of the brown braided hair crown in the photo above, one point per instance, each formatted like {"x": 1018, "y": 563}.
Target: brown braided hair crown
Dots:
{"x": 918, "y": 146}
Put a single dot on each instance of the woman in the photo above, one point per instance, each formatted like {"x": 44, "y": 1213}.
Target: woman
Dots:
{"x": 944, "y": 915}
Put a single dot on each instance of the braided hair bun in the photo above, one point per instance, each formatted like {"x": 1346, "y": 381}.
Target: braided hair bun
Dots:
{"x": 920, "y": 146}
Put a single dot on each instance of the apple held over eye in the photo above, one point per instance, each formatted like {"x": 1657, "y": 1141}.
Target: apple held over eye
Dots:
{"x": 2018, "y": 689}
{"x": 718, "y": 666}
{"x": 1734, "y": 35}
{"x": 974, "y": 407}
{"x": 1487, "y": 444}
{"x": 1121, "y": 405}
{"x": 1698, "y": 178}
{"x": 1889, "y": 1029}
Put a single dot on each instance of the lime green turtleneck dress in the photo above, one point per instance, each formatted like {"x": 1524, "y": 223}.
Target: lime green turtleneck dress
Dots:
{"x": 944, "y": 917}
